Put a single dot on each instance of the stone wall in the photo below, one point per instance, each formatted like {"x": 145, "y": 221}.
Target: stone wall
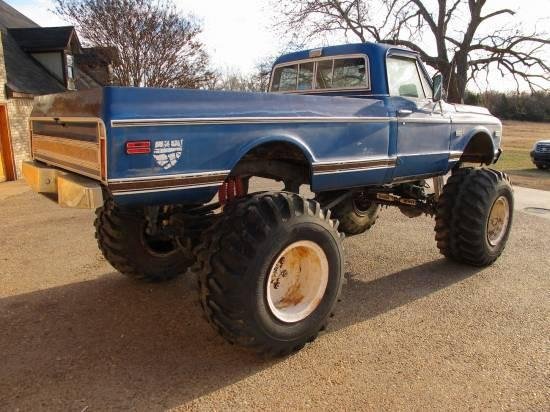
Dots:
{"x": 19, "y": 111}
{"x": 2, "y": 71}
{"x": 2, "y": 97}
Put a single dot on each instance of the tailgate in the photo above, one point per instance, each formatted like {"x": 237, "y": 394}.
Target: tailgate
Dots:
{"x": 67, "y": 131}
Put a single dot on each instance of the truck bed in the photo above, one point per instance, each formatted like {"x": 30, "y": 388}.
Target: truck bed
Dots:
{"x": 196, "y": 137}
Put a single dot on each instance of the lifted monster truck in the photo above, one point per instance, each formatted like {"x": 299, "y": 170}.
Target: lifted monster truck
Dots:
{"x": 362, "y": 124}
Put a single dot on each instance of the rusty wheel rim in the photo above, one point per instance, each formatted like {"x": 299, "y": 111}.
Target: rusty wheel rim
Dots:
{"x": 498, "y": 221}
{"x": 297, "y": 281}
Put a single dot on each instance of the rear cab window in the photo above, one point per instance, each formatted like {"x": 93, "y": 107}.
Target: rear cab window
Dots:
{"x": 322, "y": 74}
{"x": 286, "y": 78}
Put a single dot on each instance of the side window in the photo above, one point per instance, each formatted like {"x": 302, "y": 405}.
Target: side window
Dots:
{"x": 403, "y": 78}
{"x": 284, "y": 78}
{"x": 349, "y": 73}
{"x": 305, "y": 76}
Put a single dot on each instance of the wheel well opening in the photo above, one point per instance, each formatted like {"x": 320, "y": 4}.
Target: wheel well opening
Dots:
{"x": 479, "y": 150}
{"x": 281, "y": 161}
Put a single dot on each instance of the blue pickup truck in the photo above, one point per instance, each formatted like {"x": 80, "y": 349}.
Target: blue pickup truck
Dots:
{"x": 362, "y": 125}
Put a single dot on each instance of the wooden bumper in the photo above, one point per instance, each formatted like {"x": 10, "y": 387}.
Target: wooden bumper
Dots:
{"x": 71, "y": 190}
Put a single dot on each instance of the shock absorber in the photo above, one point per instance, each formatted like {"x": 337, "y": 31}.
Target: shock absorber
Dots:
{"x": 231, "y": 189}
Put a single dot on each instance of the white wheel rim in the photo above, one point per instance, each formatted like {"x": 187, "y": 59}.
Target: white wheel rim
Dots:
{"x": 297, "y": 281}
{"x": 499, "y": 218}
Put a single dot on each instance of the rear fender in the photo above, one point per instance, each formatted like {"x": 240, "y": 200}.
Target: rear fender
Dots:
{"x": 306, "y": 151}
{"x": 277, "y": 157}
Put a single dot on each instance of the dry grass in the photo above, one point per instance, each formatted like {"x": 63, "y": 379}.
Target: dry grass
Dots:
{"x": 523, "y": 135}
{"x": 518, "y": 140}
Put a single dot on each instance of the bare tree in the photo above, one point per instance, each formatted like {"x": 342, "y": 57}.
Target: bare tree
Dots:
{"x": 234, "y": 80}
{"x": 263, "y": 72}
{"x": 155, "y": 45}
{"x": 459, "y": 38}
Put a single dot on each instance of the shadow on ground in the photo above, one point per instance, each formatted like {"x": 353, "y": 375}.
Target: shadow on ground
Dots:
{"x": 110, "y": 342}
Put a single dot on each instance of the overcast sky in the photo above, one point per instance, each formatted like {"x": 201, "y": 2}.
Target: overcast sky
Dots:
{"x": 238, "y": 33}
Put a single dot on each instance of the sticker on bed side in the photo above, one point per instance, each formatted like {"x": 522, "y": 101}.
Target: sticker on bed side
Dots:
{"x": 167, "y": 152}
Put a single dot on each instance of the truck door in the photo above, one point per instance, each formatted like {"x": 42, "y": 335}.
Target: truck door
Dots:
{"x": 423, "y": 131}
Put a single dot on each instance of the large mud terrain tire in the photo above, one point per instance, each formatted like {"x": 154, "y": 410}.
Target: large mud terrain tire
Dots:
{"x": 121, "y": 236}
{"x": 270, "y": 272}
{"x": 356, "y": 215}
{"x": 474, "y": 216}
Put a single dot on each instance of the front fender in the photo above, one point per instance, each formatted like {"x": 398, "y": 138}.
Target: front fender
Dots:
{"x": 477, "y": 143}
{"x": 477, "y": 132}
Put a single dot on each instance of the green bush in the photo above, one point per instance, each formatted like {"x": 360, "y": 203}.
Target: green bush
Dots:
{"x": 533, "y": 107}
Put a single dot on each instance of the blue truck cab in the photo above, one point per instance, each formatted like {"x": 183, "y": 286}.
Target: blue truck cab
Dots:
{"x": 363, "y": 125}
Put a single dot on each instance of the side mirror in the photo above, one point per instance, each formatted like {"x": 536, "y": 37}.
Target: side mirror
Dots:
{"x": 437, "y": 86}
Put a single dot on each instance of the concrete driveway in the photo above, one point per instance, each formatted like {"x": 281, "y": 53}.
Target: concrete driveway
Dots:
{"x": 532, "y": 201}
{"x": 413, "y": 331}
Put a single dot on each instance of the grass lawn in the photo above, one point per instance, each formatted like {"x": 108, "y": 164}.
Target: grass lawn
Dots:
{"x": 517, "y": 141}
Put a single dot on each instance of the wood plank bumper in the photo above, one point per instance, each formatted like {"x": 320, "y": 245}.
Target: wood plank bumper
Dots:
{"x": 72, "y": 190}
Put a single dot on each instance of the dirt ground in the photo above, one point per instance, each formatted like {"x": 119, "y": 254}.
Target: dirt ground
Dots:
{"x": 413, "y": 331}
{"x": 517, "y": 141}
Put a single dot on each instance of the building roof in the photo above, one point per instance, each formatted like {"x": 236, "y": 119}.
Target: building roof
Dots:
{"x": 37, "y": 39}
{"x": 98, "y": 55}
{"x": 24, "y": 74}
{"x": 9, "y": 17}
{"x": 20, "y": 36}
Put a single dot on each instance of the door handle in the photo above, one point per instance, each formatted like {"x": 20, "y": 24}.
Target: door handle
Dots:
{"x": 404, "y": 112}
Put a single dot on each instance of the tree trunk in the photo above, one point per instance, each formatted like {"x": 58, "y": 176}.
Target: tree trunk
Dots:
{"x": 453, "y": 94}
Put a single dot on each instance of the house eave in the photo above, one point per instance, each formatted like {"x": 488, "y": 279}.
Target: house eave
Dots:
{"x": 14, "y": 94}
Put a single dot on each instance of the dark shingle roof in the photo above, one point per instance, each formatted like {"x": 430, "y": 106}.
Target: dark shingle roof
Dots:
{"x": 35, "y": 39}
{"x": 9, "y": 17}
{"x": 24, "y": 74}
{"x": 84, "y": 81}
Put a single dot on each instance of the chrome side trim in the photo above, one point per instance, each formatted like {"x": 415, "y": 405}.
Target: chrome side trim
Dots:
{"x": 445, "y": 152}
{"x": 454, "y": 155}
{"x": 169, "y": 182}
{"x": 136, "y": 192}
{"x": 245, "y": 120}
{"x": 322, "y": 168}
{"x": 475, "y": 122}
{"x": 166, "y": 177}
{"x": 355, "y": 169}
{"x": 406, "y": 119}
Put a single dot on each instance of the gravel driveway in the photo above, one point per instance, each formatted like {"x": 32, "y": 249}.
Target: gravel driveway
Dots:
{"x": 413, "y": 331}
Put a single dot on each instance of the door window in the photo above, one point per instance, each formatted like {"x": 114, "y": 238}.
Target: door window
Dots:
{"x": 404, "y": 78}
